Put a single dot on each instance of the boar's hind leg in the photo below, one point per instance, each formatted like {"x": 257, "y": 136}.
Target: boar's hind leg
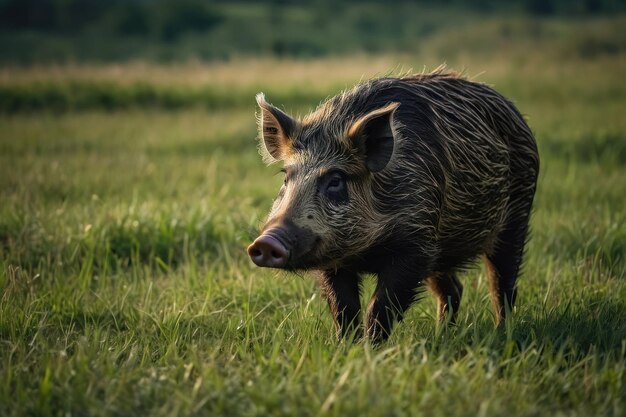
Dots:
{"x": 393, "y": 296}
{"x": 503, "y": 266}
{"x": 341, "y": 290}
{"x": 448, "y": 291}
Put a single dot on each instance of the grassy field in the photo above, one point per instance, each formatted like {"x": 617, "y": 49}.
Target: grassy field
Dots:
{"x": 126, "y": 290}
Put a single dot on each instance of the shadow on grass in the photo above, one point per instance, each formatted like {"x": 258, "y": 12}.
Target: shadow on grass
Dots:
{"x": 597, "y": 325}
{"x": 589, "y": 325}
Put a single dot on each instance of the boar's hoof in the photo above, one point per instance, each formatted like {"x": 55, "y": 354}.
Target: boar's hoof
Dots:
{"x": 267, "y": 251}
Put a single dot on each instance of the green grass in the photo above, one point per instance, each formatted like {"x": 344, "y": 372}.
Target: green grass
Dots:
{"x": 125, "y": 288}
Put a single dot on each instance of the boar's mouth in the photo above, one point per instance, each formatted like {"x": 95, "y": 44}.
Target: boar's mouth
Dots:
{"x": 280, "y": 247}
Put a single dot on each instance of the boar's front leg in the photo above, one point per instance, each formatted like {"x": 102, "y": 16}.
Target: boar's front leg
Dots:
{"x": 341, "y": 290}
{"x": 395, "y": 292}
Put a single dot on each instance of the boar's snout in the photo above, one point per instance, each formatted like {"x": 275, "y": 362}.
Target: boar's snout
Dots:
{"x": 268, "y": 251}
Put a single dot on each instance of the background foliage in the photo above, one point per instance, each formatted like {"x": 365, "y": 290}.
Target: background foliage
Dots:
{"x": 168, "y": 30}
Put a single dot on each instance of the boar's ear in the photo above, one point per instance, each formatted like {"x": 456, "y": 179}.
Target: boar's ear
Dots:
{"x": 373, "y": 135}
{"x": 276, "y": 129}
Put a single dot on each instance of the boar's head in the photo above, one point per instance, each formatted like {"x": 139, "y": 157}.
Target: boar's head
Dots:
{"x": 325, "y": 211}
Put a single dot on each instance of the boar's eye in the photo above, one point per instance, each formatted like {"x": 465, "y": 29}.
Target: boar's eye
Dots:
{"x": 333, "y": 185}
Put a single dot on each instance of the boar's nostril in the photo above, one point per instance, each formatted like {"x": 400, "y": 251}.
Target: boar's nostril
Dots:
{"x": 269, "y": 252}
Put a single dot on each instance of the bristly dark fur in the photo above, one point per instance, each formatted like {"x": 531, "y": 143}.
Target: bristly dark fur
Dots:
{"x": 459, "y": 184}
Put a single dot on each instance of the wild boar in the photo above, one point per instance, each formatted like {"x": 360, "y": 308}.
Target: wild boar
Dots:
{"x": 410, "y": 179}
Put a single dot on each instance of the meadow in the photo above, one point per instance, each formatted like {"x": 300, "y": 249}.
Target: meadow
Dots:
{"x": 128, "y": 193}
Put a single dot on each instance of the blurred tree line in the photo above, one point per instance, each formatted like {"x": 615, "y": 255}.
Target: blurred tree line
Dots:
{"x": 57, "y": 30}
{"x": 167, "y": 19}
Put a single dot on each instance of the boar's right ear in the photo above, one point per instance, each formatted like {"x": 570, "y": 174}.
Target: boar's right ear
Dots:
{"x": 275, "y": 129}
{"x": 373, "y": 135}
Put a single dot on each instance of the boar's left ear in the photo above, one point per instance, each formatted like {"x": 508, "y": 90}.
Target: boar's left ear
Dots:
{"x": 276, "y": 131}
{"x": 373, "y": 135}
